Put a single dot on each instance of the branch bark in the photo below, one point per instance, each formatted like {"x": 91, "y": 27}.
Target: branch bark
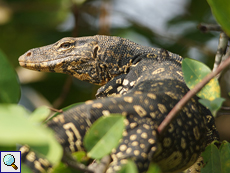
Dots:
{"x": 221, "y": 49}
{"x": 209, "y": 27}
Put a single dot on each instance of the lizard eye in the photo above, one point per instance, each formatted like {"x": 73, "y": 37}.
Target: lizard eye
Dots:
{"x": 65, "y": 45}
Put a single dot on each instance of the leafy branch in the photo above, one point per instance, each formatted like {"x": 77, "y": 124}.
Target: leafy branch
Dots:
{"x": 174, "y": 112}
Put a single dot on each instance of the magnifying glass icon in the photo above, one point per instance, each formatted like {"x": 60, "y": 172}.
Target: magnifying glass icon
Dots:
{"x": 9, "y": 160}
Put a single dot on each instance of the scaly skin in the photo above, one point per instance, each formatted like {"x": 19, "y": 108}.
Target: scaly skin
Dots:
{"x": 141, "y": 83}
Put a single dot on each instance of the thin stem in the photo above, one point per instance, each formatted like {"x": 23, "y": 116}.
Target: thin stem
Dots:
{"x": 56, "y": 110}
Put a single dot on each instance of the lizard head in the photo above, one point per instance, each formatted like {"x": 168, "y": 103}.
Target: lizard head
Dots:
{"x": 74, "y": 56}
{"x": 96, "y": 59}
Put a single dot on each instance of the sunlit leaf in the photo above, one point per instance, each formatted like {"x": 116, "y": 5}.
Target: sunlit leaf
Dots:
{"x": 194, "y": 71}
{"x": 55, "y": 150}
{"x": 40, "y": 114}
{"x": 221, "y": 11}
{"x": 104, "y": 135}
{"x": 17, "y": 128}
{"x": 9, "y": 86}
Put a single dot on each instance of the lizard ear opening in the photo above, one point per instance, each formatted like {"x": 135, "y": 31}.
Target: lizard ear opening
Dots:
{"x": 95, "y": 52}
{"x": 136, "y": 60}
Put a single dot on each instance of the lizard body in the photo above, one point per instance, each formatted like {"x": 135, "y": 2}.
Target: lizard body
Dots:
{"x": 141, "y": 83}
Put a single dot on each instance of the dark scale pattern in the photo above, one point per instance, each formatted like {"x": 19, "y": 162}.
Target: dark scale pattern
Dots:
{"x": 141, "y": 83}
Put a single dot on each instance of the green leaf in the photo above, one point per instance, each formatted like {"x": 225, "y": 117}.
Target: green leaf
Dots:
{"x": 129, "y": 167}
{"x": 78, "y": 2}
{"x": 194, "y": 71}
{"x": 17, "y": 128}
{"x": 9, "y": 86}
{"x": 225, "y": 157}
{"x": 221, "y": 11}
{"x": 154, "y": 168}
{"x": 80, "y": 156}
{"x": 7, "y": 148}
{"x": 211, "y": 158}
{"x": 216, "y": 160}
{"x": 53, "y": 151}
{"x": 25, "y": 169}
{"x": 61, "y": 167}
{"x": 104, "y": 135}
{"x": 40, "y": 114}
{"x": 212, "y": 105}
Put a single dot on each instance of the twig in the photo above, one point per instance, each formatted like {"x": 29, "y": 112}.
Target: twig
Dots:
{"x": 221, "y": 49}
{"x": 209, "y": 27}
{"x": 225, "y": 108}
{"x": 56, "y": 110}
{"x": 173, "y": 113}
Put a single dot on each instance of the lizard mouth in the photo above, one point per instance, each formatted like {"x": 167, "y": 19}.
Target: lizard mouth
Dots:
{"x": 55, "y": 65}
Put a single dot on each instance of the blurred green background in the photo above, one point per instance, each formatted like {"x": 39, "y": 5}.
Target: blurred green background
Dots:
{"x": 169, "y": 24}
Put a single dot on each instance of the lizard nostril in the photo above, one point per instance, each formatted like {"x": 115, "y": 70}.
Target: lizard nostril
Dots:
{"x": 28, "y": 54}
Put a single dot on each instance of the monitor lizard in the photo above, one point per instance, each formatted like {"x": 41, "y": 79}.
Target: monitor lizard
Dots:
{"x": 141, "y": 83}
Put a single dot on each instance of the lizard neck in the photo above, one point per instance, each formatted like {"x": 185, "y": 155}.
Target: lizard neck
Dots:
{"x": 115, "y": 55}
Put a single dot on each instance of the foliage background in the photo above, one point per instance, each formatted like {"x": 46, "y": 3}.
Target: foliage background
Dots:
{"x": 169, "y": 24}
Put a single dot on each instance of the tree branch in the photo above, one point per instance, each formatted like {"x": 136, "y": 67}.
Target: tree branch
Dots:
{"x": 104, "y": 21}
{"x": 65, "y": 90}
{"x": 221, "y": 49}
{"x": 173, "y": 113}
{"x": 209, "y": 27}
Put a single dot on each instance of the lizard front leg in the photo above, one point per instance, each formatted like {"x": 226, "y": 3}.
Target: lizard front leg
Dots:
{"x": 138, "y": 144}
